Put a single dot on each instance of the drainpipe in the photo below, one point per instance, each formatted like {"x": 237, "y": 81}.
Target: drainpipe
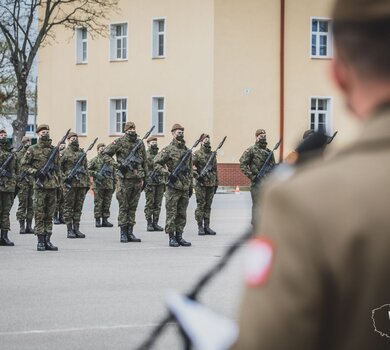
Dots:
{"x": 281, "y": 102}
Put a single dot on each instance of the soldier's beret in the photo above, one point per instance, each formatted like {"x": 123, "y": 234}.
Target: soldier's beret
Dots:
{"x": 71, "y": 134}
{"x": 307, "y": 133}
{"x": 177, "y": 126}
{"x": 42, "y": 127}
{"x": 3, "y": 131}
{"x": 203, "y": 136}
{"x": 129, "y": 125}
{"x": 100, "y": 145}
{"x": 151, "y": 138}
{"x": 26, "y": 139}
{"x": 259, "y": 131}
{"x": 360, "y": 11}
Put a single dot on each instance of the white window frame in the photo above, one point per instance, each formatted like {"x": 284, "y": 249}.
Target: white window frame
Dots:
{"x": 156, "y": 35}
{"x": 80, "y": 41}
{"x": 155, "y": 112}
{"x": 113, "y": 50}
{"x": 79, "y": 116}
{"x": 328, "y": 114}
{"x": 112, "y": 122}
{"x": 329, "y": 37}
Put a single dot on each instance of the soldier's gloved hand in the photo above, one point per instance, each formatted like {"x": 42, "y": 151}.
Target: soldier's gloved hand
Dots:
{"x": 190, "y": 191}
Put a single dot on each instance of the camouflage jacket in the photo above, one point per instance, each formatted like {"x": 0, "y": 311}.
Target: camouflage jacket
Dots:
{"x": 253, "y": 159}
{"x": 23, "y": 179}
{"x": 8, "y": 184}
{"x": 35, "y": 158}
{"x": 160, "y": 178}
{"x": 121, "y": 148}
{"x": 166, "y": 161}
{"x": 68, "y": 160}
{"x": 95, "y": 166}
{"x": 200, "y": 159}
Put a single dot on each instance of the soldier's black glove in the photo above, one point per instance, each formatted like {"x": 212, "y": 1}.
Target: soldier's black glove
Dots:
{"x": 190, "y": 191}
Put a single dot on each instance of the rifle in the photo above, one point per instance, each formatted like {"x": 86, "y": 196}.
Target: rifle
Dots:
{"x": 172, "y": 178}
{"x": 74, "y": 173}
{"x": 3, "y": 169}
{"x": 209, "y": 165}
{"x": 266, "y": 168}
{"x": 104, "y": 172}
{"x": 330, "y": 138}
{"x": 131, "y": 161}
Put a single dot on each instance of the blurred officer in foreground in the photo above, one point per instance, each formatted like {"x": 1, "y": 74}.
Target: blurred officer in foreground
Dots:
{"x": 319, "y": 274}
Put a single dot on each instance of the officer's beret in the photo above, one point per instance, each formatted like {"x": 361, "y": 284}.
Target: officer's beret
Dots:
{"x": 307, "y": 133}
{"x": 259, "y": 131}
{"x": 100, "y": 145}
{"x": 42, "y": 127}
{"x": 203, "y": 136}
{"x": 151, "y": 138}
{"x": 129, "y": 125}
{"x": 3, "y": 131}
{"x": 71, "y": 134}
{"x": 360, "y": 11}
{"x": 177, "y": 126}
{"x": 26, "y": 139}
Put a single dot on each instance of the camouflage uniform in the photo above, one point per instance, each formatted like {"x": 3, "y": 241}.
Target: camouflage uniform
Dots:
{"x": 154, "y": 192}
{"x": 176, "y": 197}
{"x": 103, "y": 187}
{"x": 7, "y": 190}
{"x": 204, "y": 189}
{"x": 251, "y": 162}
{"x": 59, "y": 211}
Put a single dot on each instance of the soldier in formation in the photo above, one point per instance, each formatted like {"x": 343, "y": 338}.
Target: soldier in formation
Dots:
{"x": 58, "y": 218}
{"x": 102, "y": 170}
{"x": 154, "y": 188}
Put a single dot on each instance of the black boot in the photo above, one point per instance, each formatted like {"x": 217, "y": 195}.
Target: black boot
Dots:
{"x": 207, "y": 228}
{"x": 4, "y": 239}
{"x": 156, "y": 226}
{"x": 41, "y": 247}
{"x": 106, "y": 223}
{"x": 130, "y": 235}
{"x": 150, "y": 226}
{"x": 29, "y": 228}
{"x": 97, "y": 222}
{"x": 181, "y": 240}
{"x": 70, "y": 232}
{"x": 48, "y": 244}
{"x": 124, "y": 238}
{"x": 62, "y": 220}
{"x": 22, "y": 227}
{"x": 56, "y": 218}
{"x": 172, "y": 240}
{"x": 201, "y": 229}
{"x": 76, "y": 230}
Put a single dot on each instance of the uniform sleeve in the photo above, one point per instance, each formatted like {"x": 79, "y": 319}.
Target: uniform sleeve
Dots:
{"x": 284, "y": 311}
{"x": 145, "y": 161}
{"x": 27, "y": 162}
{"x": 245, "y": 163}
{"x": 92, "y": 168}
{"x": 195, "y": 165}
{"x": 160, "y": 161}
{"x": 112, "y": 148}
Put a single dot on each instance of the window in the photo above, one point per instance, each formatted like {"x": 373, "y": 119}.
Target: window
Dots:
{"x": 320, "y": 114}
{"x": 158, "y": 38}
{"x": 82, "y": 45}
{"x": 321, "y": 38}
{"x": 118, "y": 115}
{"x": 81, "y": 117}
{"x": 30, "y": 128}
{"x": 158, "y": 114}
{"x": 118, "y": 42}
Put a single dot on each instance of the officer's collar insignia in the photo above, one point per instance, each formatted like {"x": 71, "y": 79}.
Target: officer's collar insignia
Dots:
{"x": 259, "y": 259}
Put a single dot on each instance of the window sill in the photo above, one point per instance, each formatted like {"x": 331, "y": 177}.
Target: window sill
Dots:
{"x": 158, "y": 135}
{"x": 115, "y": 135}
{"x": 158, "y": 57}
{"x": 118, "y": 60}
{"x": 321, "y": 57}
{"x": 81, "y": 63}
{"x": 82, "y": 135}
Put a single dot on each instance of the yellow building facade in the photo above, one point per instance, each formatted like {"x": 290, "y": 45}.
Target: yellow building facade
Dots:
{"x": 224, "y": 67}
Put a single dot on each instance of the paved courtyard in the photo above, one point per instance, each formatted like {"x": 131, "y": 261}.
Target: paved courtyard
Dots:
{"x": 96, "y": 293}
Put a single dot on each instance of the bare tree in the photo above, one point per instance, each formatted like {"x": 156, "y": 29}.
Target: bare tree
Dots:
{"x": 28, "y": 24}
{"x": 7, "y": 81}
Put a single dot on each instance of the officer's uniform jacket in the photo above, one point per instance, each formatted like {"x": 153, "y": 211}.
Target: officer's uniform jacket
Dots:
{"x": 150, "y": 155}
{"x": 68, "y": 160}
{"x": 328, "y": 226}
{"x": 8, "y": 184}
{"x": 95, "y": 166}
{"x": 200, "y": 159}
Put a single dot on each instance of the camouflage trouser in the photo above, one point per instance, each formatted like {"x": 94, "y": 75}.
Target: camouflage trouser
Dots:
{"x": 60, "y": 202}
{"x": 128, "y": 193}
{"x": 176, "y": 203}
{"x": 26, "y": 203}
{"x": 204, "y": 198}
{"x": 154, "y": 195}
{"x": 44, "y": 205}
{"x": 6, "y": 201}
{"x": 102, "y": 202}
{"x": 73, "y": 203}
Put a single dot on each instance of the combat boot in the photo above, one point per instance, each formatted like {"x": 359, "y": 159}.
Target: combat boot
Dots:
{"x": 124, "y": 238}
{"x": 70, "y": 232}
{"x": 157, "y": 227}
{"x": 56, "y": 219}
{"x": 201, "y": 229}
{"x": 41, "y": 247}
{"x": 62, "y": 220}
{"x": 29, "y": 228}
{"x": 98, "y": 223}
{"x": 181, "y": 240}
{"x": 22, "y": 230}
{"x": 172, "y": 240}
{"x": 4, "y": 239}
{"x": 76, "y": 230}
{"x": 48, "y": 244}
{"x": 106, "y": 223}
{"x": 130, "y": 235}
{"x": 207, "y": 228}
{"x": 150, "y": 226}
